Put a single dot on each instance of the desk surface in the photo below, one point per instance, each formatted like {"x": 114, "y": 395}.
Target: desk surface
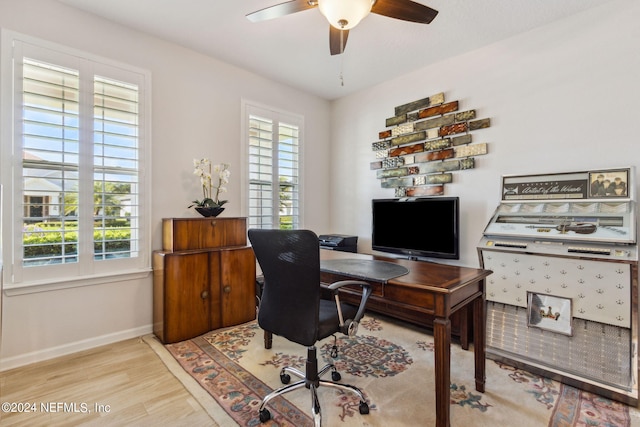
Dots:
{"x": 435, "y": 277}
{"x": 368, "y": 269}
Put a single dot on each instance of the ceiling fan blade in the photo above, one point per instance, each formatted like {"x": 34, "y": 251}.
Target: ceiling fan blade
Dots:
{"x": 406, "y": 10}
{"x": 337, "y": 40}
{"x": 281, "y": 9}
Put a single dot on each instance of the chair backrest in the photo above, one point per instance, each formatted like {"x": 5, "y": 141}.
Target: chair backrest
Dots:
{"x": 290, "y": 263}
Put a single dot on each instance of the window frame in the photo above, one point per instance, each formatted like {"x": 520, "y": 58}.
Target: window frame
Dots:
{"x": 249, "y": 108}
{"x": 17, "y": 279}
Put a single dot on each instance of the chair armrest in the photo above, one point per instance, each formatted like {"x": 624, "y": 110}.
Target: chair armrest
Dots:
{"x": 341, "y": 283}
{"x": 367, "y": 289}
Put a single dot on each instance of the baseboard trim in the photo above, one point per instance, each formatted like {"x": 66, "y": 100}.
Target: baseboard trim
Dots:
{"x": 73, "y": 347}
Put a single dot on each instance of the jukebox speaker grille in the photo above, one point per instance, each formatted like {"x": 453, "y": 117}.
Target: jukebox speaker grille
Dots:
{"x": 595, "y": 351}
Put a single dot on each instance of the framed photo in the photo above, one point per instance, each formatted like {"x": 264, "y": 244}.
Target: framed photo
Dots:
{"x": 610, "y": 183}
{"x": 550, "y": 313}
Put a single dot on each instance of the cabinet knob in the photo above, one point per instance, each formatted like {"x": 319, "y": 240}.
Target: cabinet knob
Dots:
{"x": 204, "y": 295}
{"x": 226, "y": 289}
{"x": 213, "y": 223}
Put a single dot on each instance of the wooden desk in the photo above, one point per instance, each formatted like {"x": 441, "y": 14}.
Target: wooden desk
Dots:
{"x": 438, "y": 290}
{"x": 432, "y": 290}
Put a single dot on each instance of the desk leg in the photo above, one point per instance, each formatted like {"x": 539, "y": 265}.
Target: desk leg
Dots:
{"x": 442, "y": 344}
{"x": 268, "y": 339}
{"x": 479, "y": 325}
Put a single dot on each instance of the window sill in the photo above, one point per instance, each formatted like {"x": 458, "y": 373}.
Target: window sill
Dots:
{"x": 67, "y": 283}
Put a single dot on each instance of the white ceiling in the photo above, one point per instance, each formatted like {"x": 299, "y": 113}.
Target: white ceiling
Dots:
{"x": 295, "y": 49}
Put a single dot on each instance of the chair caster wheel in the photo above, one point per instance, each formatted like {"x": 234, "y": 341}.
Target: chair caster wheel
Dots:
{"x": 363, "y": 408}
{"x": 335, "y": 376}
{"x": 285, "y": 378}
{"x": 265, "y": 415}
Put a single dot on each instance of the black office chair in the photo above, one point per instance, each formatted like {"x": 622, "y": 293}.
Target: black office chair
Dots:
{"x": 292, "y": 307}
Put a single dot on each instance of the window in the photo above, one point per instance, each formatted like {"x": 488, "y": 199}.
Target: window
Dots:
{"x": 273, "y": 147}
{"x": 76, "y": 158}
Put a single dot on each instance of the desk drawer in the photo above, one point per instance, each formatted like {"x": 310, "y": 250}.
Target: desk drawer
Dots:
{"x": 414, "y": 314}
{"x": 405, "y": 295}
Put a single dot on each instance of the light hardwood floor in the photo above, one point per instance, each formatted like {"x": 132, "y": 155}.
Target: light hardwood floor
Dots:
{"x": 121, "y": 384}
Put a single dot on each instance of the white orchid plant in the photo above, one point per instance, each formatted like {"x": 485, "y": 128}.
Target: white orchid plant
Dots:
{"x": 211, "y": 193}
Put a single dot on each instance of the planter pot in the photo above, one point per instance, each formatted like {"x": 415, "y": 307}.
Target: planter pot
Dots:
{"x": 209, "y": 211}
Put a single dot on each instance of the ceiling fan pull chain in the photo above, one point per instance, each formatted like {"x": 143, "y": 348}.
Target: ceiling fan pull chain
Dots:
{"x": 341, "y": 58}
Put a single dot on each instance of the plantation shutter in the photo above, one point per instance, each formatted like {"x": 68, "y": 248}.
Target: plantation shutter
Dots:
{"x": 115, "y": 169}
{"x": 261, "y": 164}
{"x": 288, "y": 194}
{"x": 79, "y": 194}
{"x": 50, "y": 165}
{"x": 274, "y": 172}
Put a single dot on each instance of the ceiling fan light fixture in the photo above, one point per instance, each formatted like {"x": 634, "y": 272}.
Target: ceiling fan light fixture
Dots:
{"x": 344, "y": 14}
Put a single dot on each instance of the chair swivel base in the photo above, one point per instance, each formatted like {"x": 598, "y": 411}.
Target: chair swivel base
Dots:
{"x": 312, "y": 380}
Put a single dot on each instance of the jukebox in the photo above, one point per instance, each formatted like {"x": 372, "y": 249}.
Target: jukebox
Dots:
{"x": 563, "y": 297}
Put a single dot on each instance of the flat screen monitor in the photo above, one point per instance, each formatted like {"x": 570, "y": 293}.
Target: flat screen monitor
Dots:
{"x": 417, "y": 227}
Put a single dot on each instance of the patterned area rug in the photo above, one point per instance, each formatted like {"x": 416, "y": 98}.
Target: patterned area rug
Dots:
{"x": 392, "y": 363}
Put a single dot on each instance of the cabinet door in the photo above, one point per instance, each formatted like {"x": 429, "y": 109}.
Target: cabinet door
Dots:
{"x": 186, "y": 296}
{"x": 238, "y": 285}
{"x": 180, "y": 234}
{"x": 215, "y": 283}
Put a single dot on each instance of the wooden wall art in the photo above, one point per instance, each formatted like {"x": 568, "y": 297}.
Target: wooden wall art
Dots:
{"x": 424, "y": 142}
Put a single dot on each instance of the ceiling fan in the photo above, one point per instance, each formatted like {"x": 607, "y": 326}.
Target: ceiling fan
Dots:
{"x": 346, "y": 14}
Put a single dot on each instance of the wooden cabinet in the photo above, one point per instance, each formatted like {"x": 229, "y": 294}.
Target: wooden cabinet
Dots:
{"x": 180, "y": 234}
{"x": 203, "y": 279}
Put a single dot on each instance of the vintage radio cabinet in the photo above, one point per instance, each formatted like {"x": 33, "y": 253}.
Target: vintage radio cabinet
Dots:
{"x": 562, "y": 300}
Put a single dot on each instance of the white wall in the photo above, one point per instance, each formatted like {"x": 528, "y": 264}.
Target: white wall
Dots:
{"x": 196, "y": 113}
{"x": 565, "y": 97}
